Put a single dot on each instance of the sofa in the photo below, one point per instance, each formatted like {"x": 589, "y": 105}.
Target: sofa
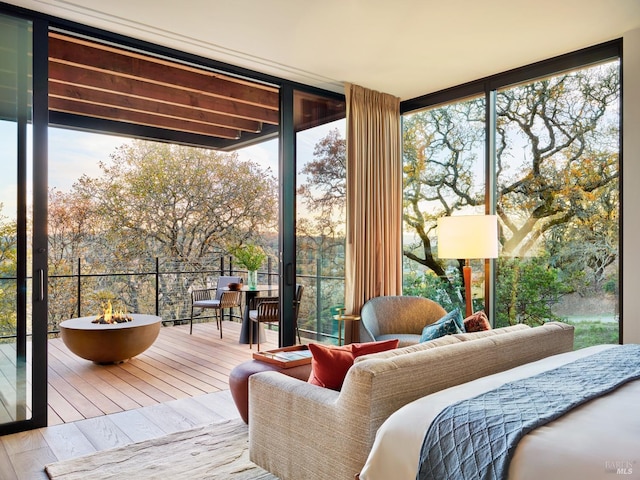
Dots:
{"x": 397, "y": 317}
{"x": 299, "y": 430}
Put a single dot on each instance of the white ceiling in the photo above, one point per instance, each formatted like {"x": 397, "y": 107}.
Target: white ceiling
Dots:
{"x": 403, "y": 47}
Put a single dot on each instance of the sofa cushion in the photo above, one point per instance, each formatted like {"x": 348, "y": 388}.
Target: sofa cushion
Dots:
{"x": 490, "y": 333}
{"x": 415, "y": 347}
{"x": 442, "y": 341}
{"x": 404, "y": 339}
{"x": 449, "y": 324}
{"x": 477, "y": 322}
{"x": 329, "y": 364}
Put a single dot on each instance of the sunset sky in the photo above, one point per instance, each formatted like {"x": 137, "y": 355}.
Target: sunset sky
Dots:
{"x": 73, "y": 153}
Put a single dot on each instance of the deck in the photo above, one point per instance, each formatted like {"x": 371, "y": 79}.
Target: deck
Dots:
{"x": 176, "y": 366}
{"x": 180, "y": 382}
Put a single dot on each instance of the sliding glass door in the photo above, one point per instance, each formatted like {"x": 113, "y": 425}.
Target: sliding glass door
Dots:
{"x": 321, "y": 172}
{"x": 23, "y": 399}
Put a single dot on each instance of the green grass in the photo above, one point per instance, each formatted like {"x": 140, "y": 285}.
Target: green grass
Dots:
{"x": 590, "y": 333}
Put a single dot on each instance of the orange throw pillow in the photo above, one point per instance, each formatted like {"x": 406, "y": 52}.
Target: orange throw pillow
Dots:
{"x": 477, "y": 322}
{"x": 329, "y": 365}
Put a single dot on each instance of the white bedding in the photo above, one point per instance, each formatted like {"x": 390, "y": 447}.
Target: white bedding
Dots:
{"x": 594, "y": 441}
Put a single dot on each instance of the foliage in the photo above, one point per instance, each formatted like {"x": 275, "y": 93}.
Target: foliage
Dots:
{"x": 249, "y": 256}
{"x": 556, "y": 171}
{"x": 8, "y": 265}
{"x": 180, "y": 204}
{"x": 180, "y": 201}
{"x": 526, "y": 290}
{"x": 321, "y": 229}
{"x": 433, "y": 287}
{"x": 325, "y": 191}
{"x": 589, "y": 333}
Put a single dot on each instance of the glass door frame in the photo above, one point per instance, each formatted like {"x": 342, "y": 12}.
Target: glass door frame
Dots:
{"x": 288, "y": 168}
{"x": 37, "y": 149}
{"x": 287, "y": 216}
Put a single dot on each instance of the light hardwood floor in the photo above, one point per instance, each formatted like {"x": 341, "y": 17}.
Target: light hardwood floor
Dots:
{"x": 24, "y": 455}
{"x": 178, "y": 383}
{"x": 177, "y": 365}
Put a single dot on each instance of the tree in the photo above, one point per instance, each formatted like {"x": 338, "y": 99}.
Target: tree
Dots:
{"x": 440, "y": 153}
{"x": 8, "y": 272}
{"x": 71, "y": 227}
{"x": 527, "y": 289}
{"x": 321, "y": 227}
{"x": 182, "y": 204}
{"x": 326, "y": 190}
{"x": 570, "y": 152}
{"x": 557, "y": 167}
{"x": 180, "y": 201}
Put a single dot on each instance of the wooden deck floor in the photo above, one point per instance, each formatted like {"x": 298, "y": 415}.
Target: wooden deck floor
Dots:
{"x": 180, "y": 382}
{"x": 23, "y": 455}
{"x": 177, "y": 365}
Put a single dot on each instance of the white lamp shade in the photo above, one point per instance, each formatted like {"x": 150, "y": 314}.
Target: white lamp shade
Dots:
{"x": 468, "y": 236}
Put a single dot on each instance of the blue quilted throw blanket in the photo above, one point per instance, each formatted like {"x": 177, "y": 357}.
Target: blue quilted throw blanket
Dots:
{"x": 476, "y": 438}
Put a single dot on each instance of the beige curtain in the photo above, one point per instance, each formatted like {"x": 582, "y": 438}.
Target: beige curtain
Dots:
{"x": 374, "y": 197}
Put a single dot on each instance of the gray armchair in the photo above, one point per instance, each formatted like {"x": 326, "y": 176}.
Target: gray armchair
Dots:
{"x": 401, "y": 317}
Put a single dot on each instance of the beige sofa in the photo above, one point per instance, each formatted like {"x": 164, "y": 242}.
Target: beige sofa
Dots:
{"x": 302, "y": 431}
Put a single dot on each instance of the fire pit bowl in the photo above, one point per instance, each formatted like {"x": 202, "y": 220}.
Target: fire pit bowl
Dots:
{"x": 110, "y": 343}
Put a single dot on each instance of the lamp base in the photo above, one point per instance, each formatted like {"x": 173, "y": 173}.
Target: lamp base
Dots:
{"x": 466, "y": 273}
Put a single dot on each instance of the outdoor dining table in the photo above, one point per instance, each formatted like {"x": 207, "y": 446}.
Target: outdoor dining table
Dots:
{"x": 251, "y": 293}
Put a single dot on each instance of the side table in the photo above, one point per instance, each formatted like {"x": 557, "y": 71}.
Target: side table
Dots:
{"x": 239, "y": 380}
{"x": 341, "y": 318}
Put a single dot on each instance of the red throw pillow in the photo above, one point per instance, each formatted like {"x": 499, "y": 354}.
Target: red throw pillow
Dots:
{"x": 366, "y": 348}
{"x": 329, "y": 364}
{"x": 477, "y": 322}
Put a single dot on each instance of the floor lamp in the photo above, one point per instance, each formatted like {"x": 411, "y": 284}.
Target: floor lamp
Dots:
{"x": 468, "y": 237}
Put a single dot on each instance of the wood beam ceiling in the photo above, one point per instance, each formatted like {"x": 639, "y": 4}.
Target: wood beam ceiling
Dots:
{"x": 89, "y": 79}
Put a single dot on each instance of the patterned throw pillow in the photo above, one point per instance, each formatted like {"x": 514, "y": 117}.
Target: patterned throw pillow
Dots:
{"x": 477, "y": 322}
{"x": 451, "y": 323}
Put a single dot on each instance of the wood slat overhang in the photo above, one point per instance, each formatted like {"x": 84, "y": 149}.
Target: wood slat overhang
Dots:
{"x": 104, "y": 88}
{"x": 89, "y": 80}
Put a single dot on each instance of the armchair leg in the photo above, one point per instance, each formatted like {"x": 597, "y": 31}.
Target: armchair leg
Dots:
{"x": 191, "y": 322}
{"x": 251, "y": 334}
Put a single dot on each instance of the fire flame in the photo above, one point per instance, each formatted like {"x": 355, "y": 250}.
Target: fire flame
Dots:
{"x": 109, "y": 316}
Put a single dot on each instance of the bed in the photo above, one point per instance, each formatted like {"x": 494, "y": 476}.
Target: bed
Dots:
{"x": 593, "y": 441}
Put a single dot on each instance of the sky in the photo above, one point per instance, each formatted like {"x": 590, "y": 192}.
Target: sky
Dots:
{"x": 74, "y": 153}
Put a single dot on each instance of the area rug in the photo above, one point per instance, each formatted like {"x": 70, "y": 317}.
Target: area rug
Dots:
{"x": 216, "y": 451}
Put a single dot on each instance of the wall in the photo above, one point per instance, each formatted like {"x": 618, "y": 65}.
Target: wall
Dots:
{"x": 630, "y": 190}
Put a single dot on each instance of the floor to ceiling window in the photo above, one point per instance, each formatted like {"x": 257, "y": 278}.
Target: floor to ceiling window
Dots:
{"x": 558, "y": 201}
{"x": 545, "y": 159}
{"x": 15, "y": 119}
{"x": 22, "y": 253}
{"x": 444, "y": 175}
{"x": 320, "y": 212}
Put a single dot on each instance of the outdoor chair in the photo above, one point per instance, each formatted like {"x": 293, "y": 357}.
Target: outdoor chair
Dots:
{"x": 217, "y": 298}
{"x": 264, "y": 310}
